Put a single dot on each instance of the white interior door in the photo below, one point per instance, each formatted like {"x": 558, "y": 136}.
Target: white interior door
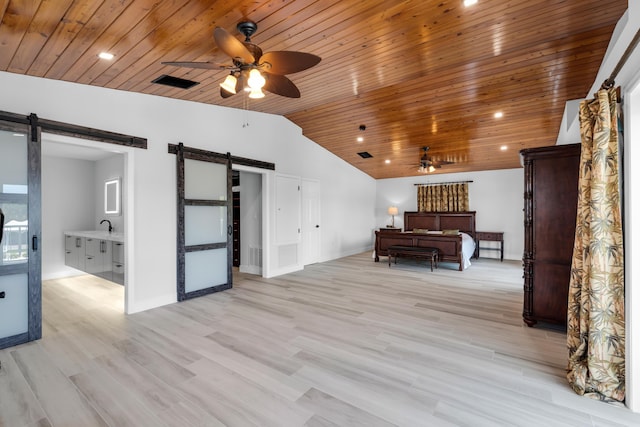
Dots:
{"x": 310, "y": 221}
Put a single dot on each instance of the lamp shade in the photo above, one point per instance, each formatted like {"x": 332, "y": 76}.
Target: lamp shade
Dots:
{"x": 393, "y": 210}
{"x": 256, "y": 93}
{"x": 256, "y": 81}
{"x": 229, "y": 84}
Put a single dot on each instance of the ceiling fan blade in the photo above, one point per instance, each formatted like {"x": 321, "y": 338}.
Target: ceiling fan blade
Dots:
{"x": 232, "y": 46}
{"x": 438, "y": 163}
{"x": 280, "y": 85}
{"x": 202, "y": 65}
{"x": 288, "y": 62}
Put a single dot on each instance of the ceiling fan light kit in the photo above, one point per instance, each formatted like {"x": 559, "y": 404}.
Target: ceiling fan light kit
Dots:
{"x": 428, "y": 165}
{"x": 426, "y": 169}
{"x": 256, "y": 81}
{"x": 252, "y": 70}
{"x": 229, "y": 84}
{"x": 256, "y": 93}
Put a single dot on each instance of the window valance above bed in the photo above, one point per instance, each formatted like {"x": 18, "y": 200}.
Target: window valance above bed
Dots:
{"x": 453, "y": 197}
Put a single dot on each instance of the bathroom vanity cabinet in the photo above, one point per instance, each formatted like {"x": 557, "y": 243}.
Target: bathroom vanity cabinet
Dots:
{"x": 118, "y": 262}
{"x": 96, "y": 252}
{"x": 74, "y": 251}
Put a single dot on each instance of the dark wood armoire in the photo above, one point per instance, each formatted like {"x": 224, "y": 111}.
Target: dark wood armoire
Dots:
{"x": 550, "y": 205}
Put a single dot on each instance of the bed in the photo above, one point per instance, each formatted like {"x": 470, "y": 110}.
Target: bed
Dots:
{"x": 430, "y": 232}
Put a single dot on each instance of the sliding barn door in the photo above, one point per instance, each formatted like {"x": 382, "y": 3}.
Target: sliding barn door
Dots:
{"x": 204, "y": 222}
{"x": 20, "y": 271}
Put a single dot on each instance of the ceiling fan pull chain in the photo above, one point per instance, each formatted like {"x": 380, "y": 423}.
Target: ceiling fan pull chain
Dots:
{"x": 245, "y": 107}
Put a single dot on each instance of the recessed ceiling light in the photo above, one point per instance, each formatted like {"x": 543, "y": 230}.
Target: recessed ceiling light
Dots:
{"x": 105, "y": 55}
{"x": 359, "y": 139}
{"x": 468, "y": 3}
{"x": 498, "y": 114}
{"x": 387, "y": 161}
{"x": 504, "y": 148}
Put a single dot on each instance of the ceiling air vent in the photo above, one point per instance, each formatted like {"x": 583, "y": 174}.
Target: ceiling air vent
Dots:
{"x": 365, "y": 155}
{"x": 175, "y": 82}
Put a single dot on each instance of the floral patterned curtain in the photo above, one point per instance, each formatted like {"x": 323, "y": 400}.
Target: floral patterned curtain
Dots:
{"x": 443, "y": 198}
{"x": 595, "y": 320}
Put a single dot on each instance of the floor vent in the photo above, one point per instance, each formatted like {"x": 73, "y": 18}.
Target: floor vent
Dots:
{"x": 175, "y": 82}
{"x": 365, "y": 155}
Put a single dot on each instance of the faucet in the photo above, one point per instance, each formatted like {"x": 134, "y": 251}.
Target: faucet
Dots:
{"x": 110, "y": 227}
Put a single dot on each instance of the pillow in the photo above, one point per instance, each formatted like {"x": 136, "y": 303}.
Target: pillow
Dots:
{"x": 456, "y": 232}
{"x": 420, "y": 230}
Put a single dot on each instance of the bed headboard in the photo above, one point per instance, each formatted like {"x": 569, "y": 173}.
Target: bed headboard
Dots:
{"x": 463, "y": 221}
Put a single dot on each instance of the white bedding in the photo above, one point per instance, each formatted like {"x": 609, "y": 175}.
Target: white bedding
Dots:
{"x": 468, "y": 248}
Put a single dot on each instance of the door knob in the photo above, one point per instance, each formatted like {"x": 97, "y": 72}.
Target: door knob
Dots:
{"x": 2, "y": 294}
{"x": 317, "y": 226}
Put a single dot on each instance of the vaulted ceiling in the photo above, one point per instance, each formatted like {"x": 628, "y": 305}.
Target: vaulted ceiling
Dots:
{"x": 415, "y": 72}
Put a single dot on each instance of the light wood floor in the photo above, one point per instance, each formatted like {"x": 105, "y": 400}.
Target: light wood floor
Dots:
{"x": 344, "y": 343}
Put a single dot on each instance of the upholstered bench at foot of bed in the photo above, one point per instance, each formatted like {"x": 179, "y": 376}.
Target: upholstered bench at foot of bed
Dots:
{"x": 413, "y": 252}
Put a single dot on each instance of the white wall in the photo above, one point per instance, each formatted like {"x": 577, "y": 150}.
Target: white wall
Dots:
{"x": 68, "y": 193}
{"x": 348, "y": 195}
{"x": 496, "y": 196}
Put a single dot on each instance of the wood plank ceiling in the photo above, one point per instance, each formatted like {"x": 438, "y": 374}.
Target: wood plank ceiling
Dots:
{"x": 414, "y": 72}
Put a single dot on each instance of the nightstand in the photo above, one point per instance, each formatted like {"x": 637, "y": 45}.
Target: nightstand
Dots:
{"x": 490, "y": 236}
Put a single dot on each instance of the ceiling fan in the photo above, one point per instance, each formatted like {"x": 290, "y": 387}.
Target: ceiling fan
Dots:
{"x": 428, "y": 164}
{"x": 252, "y": 70}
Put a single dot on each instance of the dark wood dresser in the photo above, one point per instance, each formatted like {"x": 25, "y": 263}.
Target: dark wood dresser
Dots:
{"x": 550, "y": 205}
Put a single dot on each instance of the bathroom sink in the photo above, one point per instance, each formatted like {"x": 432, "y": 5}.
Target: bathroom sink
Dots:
{"x": 98, "y": 234}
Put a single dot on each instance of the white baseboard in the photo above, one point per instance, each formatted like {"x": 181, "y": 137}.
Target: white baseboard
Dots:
{"x": 62, "y": 274}
{"x": 347, "y": 253}
{"x": 250, "y": 269}
{"x": 286, "y": 270}
{"x": 136, "y": 307}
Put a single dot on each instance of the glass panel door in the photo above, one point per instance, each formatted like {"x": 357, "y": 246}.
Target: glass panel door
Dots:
{"x": 204, "y": 224}
{"x": 20, "y": 315}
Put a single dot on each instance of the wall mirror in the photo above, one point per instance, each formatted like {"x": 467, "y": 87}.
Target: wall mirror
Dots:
{"x": 112, "y": 196}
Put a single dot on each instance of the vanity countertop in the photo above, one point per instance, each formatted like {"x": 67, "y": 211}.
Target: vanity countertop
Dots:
{"x": 98, "y": 234}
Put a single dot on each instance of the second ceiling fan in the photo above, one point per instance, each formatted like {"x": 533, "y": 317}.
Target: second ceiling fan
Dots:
{"x": 252, "y": 70}
{"x": 428, "y": 164}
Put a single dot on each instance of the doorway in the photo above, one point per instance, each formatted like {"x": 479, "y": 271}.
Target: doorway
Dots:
{"x": 74, "y": 173}
{"x": 249, "y": 228}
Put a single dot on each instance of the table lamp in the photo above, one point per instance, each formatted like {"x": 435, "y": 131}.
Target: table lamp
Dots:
{"x": 393, "y": 211}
